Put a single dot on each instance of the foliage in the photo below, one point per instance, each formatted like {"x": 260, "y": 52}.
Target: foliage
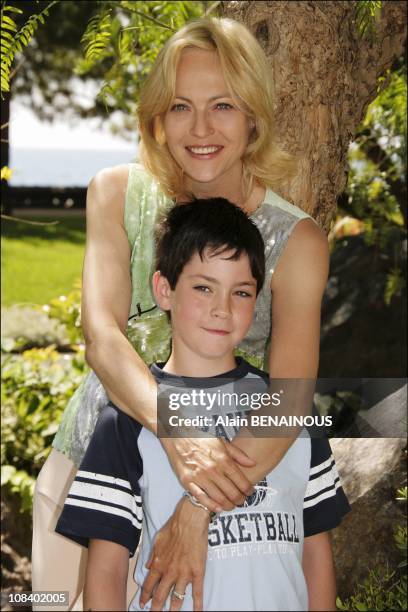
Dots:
{"x": 97, "y": 36}
{"x": 123, "y": 39}
{"x": 18, "y": 482}
{"x": 376, "y": 192}
{"x": 401, "y": 533}
{"x": 383, "y": 589}
{"x": 57, "y": 323}
{"x": 380, "y": 591}
{"x": 67, "y": 310}
{"x": 35, "y": 390}
{"x": 367, "y": 12}
{"x": 14, "y": 39}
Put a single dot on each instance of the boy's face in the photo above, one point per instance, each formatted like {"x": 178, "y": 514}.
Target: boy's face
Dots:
{"x": 212, "y": 305}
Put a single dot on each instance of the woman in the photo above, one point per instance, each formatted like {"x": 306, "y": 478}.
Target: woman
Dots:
{"x": 205, "y": 119}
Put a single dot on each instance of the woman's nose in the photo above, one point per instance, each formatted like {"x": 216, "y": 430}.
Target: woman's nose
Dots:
{"x": 201, "y": 126}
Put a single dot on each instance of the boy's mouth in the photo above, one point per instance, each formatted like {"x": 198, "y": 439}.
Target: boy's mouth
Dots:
{"x": 217, "y": 332}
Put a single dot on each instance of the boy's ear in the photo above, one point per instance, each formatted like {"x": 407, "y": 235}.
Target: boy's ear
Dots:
{"x": 161, "y": 290}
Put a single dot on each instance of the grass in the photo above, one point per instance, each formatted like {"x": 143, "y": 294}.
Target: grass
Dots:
{"x": 40, "y": 262}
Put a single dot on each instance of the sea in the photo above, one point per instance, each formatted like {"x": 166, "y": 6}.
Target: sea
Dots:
{"x": 62, "y": 167}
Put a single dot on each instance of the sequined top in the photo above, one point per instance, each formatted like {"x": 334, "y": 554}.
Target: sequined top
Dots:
{"x": 148, "y": 329}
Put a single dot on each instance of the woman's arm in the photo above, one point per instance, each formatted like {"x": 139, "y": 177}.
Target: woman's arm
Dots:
{"x": 207, "y": 465}
{"x": 298, "y": 284}
{"x": 106, "y": 298}
{"x": 106, "y": 576}
{"x": 318, "y": 568}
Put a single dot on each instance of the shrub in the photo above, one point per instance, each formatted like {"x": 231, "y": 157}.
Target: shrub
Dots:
{"x": 383, "y": 589}
{"x": 35, "y": 390}
{"x": 27, "y": 327}
{"x": 57, "y": 323}
{"x": 67, "y": 309}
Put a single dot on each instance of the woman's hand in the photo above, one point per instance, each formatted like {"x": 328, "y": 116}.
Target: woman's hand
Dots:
{"x": 207, "y": 468}
{"x": 178, "y": 557}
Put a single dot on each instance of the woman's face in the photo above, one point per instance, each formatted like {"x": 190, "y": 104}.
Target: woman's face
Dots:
{"x": 205, "y": 131}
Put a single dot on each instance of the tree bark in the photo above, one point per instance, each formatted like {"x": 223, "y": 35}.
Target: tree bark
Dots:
{"x": 326, "y": 74}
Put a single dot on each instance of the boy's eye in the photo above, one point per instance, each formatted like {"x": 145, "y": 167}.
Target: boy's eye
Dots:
{"x": 243, "y": 294}
{"x": 202, "y": 288}
{"x": 178, "y": 107}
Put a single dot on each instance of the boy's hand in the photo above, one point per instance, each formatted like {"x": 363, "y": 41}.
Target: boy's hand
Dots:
{"x": 208, "y": 469}
{"x": 178, "y": 557}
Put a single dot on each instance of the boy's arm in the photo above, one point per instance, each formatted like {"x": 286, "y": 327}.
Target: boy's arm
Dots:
{"x": 318, "y": 568}
{"x": 106, "y": 576}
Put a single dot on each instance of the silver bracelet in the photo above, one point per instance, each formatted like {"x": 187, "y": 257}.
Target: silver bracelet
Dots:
{"x": 197, "y": 504}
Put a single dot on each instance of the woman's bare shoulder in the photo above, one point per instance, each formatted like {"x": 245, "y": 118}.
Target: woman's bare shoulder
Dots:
{"x": 308, "y": 235}
{"x": 107, "y": 190}
{"x": 306, "y": 254}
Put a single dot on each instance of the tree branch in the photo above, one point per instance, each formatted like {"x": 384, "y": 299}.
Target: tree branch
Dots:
{"x": 149, "y": 18}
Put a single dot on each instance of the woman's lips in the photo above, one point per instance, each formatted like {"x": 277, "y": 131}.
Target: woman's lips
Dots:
{"x": 204, "y": 152}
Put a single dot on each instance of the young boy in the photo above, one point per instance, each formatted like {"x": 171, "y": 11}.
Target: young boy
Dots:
{"x": 271, "y": 553}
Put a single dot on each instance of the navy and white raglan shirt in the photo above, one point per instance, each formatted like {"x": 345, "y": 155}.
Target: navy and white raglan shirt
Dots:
{"x": 125, "y": 484}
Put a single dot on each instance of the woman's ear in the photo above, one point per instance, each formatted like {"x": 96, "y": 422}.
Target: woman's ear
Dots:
{"x": 161, "y": 290}
{"x": 159, "y": 134}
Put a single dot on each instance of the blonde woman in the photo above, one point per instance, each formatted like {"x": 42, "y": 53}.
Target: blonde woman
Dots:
{"x": 207, "y": 129}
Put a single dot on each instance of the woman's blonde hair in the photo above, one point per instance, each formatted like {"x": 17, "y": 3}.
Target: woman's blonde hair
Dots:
{"x": 248, "y": 76}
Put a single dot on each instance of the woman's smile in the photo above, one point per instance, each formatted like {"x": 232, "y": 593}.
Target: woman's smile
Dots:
{"x": 204, "y": 152}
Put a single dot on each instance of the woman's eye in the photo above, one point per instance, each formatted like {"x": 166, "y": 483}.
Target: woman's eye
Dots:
{"x": 202, "y": 288}
{"x": 224, "y": 106}
{"x": 178, "y": 107}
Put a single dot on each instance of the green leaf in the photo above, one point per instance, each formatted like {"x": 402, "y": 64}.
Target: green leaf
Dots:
{"x": 22, "y": 36}
{"x": 7, "y": 22}
{"x": 97, "y": 37}
{"x": 11, "y": 9}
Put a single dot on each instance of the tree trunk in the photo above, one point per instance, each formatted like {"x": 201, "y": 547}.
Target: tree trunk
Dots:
{"x": 325, "y": 74}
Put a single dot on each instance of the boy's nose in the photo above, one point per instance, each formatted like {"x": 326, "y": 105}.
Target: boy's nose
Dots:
{"x": 221, "y": 309}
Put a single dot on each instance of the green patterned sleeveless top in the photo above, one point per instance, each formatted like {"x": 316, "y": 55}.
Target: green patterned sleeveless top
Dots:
{"x": 148, "y": 329}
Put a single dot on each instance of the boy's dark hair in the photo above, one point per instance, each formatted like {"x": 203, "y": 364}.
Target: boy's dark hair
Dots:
{"x": 213, "y": 223}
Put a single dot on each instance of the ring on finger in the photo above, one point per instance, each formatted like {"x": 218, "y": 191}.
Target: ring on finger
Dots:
{"x": 177, "y": 595}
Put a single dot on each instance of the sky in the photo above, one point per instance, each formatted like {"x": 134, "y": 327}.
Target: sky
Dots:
{"x": 60, "y": 154}
{"x": 26, "y": 131}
